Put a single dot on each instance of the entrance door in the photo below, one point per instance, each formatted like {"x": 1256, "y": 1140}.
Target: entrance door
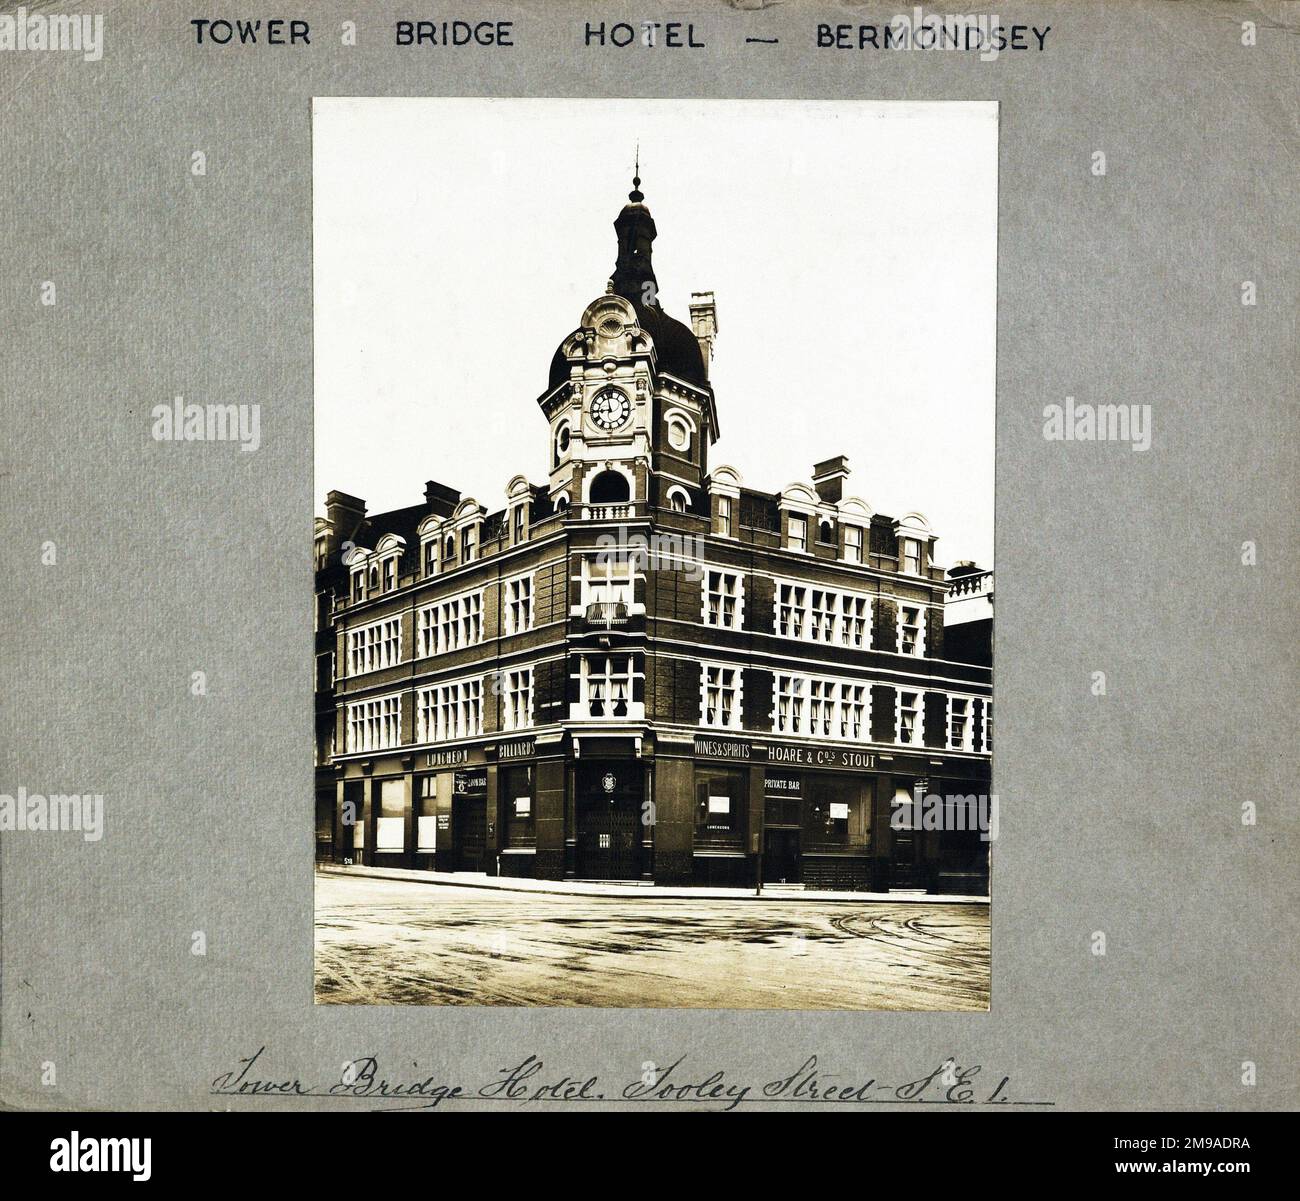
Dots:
{"x": 609, "y": 822}
{"x": 781, "y": 856}
{"x": 469, "y": 832}
{"x": 904, "y": 869}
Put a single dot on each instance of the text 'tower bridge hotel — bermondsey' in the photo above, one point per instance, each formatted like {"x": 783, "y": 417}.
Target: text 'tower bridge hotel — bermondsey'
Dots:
{"x": 747, "y": 685}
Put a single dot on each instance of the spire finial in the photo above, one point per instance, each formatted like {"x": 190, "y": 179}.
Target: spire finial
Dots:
{"x": 635, "y": 195}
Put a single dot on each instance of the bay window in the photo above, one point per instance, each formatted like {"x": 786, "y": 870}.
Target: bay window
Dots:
{"x": 607, "y": 688}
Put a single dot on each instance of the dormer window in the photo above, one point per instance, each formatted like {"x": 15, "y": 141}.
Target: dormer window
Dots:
{"x": 724, "y": 493}
{"x": 430, "y": 556}
{"x": 913, "y": 536}
{"x": 520, "y": 525}
{"x": 358, "y": 585}
{"x": 467, "y": 536}
{"x": 390, "y": 574}
{"x": 798, "y": 528}
{"x": 853, "y": 543}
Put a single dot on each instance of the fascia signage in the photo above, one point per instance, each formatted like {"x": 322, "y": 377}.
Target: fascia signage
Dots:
{"x": 739, "y": 750}
{"x": 449, "y": 758}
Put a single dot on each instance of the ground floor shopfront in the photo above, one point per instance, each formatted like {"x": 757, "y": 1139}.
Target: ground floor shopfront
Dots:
{"x": 664, "y": 808}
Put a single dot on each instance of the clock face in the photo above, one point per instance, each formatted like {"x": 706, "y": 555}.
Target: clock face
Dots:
{"x": 610, "y": 408}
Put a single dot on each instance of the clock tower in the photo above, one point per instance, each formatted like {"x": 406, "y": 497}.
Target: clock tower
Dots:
{"x": 629, "y": 404}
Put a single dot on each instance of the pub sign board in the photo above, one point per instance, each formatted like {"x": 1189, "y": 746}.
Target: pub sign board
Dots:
{"x": 741, "y": 750}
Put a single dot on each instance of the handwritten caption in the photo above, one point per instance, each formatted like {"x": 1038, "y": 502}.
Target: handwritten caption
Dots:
{"x": 529, "y": 1083}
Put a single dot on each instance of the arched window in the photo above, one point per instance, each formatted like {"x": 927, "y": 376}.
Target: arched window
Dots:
{"x": 825, "y": 533}
{"x": 449, "y": 548}
{"x": 561, "y": 503}
{"x": 374, "y": 578}
{"x": 561, "y": 443}
{"x": 678, "y": 501}
{"x": 610, "y": 488}
{"x": 679, "y": 434}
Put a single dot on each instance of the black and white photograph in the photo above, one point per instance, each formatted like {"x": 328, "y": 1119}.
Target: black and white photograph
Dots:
{"x": 654, "y": 553}
{"x": 733, "y": 557}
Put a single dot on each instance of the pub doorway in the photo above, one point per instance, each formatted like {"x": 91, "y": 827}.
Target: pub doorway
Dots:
{"x": 781, "y": 858}
{"x": 469, "y": 833}
{"x": 905, "y": 862}
{"x": 608, "y": 816}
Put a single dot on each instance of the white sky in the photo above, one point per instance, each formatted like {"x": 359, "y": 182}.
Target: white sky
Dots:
{"x": 852, "y": 249}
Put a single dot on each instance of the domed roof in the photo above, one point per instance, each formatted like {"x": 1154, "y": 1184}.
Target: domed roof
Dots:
{"x": 677, "y": 351}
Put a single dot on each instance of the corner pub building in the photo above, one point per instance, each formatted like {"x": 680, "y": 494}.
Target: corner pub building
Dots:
{"x": 641, "y": 669}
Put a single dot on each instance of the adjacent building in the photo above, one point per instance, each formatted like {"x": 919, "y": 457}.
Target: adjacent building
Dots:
{"x": 640, "y": 667}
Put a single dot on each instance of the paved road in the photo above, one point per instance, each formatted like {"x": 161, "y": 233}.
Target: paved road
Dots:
{"x": 391, "y": 942}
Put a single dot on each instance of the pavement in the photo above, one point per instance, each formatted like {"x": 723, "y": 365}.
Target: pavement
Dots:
{"x": 393, "y": 941}
{"x": 632, "y": 888}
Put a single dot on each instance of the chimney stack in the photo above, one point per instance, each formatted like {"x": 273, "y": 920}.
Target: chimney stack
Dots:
{"x": 440, "y": 499}
{"x": 345, "y": 514}
{"x": 828, "y": 478}
{"x": 704, "y": 321}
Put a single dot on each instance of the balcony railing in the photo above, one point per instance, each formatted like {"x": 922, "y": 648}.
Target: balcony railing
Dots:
{"x": 606, "y": 614}
{"x": 616, "y": 511}
{"x": 970, "y": 585}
